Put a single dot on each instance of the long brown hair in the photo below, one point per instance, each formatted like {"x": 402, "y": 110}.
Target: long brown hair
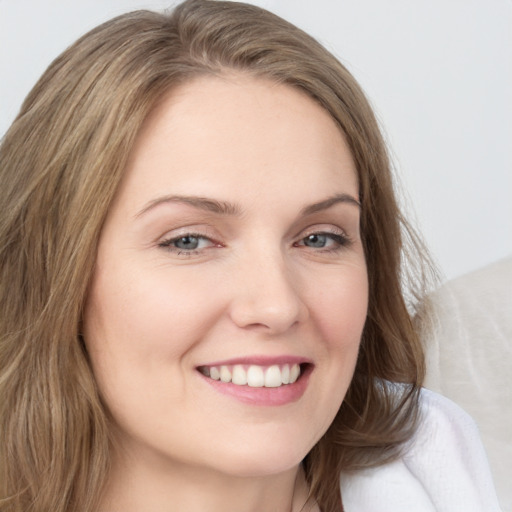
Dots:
{"x": 60, "y": 166}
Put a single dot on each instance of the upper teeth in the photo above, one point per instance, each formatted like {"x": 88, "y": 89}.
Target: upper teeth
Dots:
{"x": 253, "y": 375}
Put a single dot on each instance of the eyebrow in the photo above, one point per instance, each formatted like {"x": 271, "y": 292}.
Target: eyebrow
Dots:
{"x": 331, "y": 201}
{"x": 202, "y": 203}
{"x": 227, "y": 208}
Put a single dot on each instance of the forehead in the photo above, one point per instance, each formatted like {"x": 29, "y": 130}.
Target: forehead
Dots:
{"x": 243, "y": 131}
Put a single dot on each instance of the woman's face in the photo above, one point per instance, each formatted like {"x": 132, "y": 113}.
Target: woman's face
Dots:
{"x": 231, "y": 253}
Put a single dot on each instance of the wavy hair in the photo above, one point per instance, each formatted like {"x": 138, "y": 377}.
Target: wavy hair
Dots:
{"x": 60, "y": 165}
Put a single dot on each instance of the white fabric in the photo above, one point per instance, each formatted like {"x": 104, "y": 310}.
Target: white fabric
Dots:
{"x": 443, "y": 469}
{"x": 469, "y": 359}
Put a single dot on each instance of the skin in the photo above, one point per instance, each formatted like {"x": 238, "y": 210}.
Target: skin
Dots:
{"x": 255, "y": 285}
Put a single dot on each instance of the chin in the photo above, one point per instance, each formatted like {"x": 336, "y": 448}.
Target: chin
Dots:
{"x": 263, "y": 459}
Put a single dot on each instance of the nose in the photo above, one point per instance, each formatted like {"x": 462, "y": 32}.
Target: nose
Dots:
{"x": 267, "y": 295}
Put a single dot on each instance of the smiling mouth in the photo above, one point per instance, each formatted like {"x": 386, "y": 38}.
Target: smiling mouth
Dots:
{"x": 255, "y": 376}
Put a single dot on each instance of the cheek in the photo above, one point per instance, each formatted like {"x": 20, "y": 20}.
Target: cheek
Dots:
{"x": 148, "y": 313}
{"x": 140, "y": 331}
{"x": 138, "y": 335}
{"x": 338, "y": 309}
{"x": 340, "y": 306}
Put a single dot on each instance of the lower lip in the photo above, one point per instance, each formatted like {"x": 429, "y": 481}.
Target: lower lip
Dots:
{"x": 285, "y": 394}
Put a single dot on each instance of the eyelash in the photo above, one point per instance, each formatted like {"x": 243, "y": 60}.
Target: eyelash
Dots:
{"x": 340, "y": 239}
{"x": 167, "y": 244}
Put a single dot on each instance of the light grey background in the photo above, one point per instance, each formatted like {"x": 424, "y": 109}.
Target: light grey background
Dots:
{"x": 438, "y": 72}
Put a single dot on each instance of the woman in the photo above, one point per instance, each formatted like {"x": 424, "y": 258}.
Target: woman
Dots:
{"x": 202, "y": 282}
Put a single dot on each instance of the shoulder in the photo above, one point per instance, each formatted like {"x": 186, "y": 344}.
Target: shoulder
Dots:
{"x": 443, "y": 468}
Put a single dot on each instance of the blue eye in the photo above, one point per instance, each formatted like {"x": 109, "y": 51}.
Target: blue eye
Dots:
{"x": 189, "y": 243}
{"x": 317, "y": 240}
{"x": 327, "y": 241}
{"x": 186, "y": 243}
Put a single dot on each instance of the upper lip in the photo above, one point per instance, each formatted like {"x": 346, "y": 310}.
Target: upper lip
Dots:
{"x": 260, "y": 360}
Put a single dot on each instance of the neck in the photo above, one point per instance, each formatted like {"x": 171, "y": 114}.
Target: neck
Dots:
{"x": 133, "y": 487}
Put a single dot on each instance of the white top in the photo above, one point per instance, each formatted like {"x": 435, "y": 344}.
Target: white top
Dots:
{"x": 443, "y": 469}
